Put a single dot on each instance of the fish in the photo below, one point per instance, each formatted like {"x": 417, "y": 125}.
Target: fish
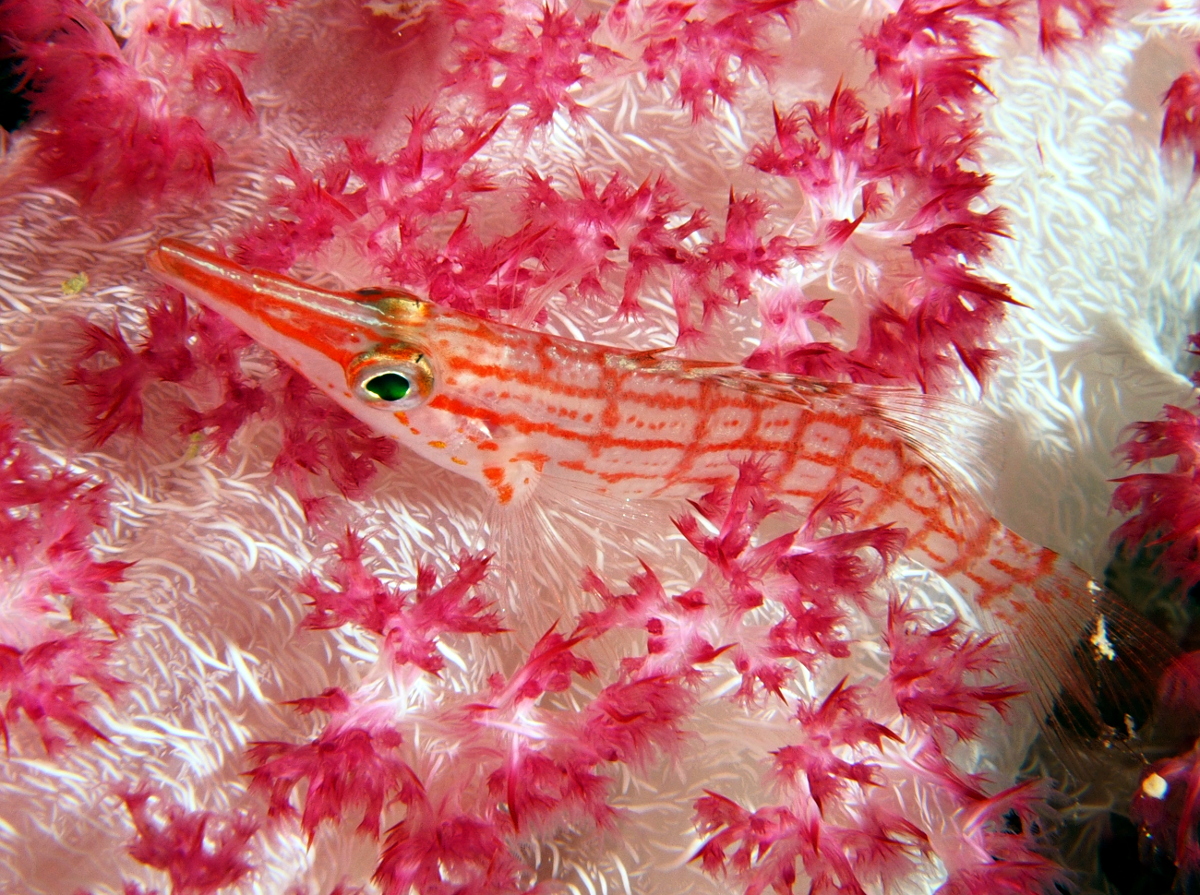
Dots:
{"x": 519, "y": 411}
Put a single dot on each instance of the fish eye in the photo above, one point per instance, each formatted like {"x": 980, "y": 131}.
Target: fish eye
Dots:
{"x": 392, "y": 377}
{"x": 388, "y": 386}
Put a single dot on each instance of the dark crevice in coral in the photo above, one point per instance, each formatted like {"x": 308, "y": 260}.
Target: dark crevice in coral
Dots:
{"x": 1123, "y": 868}
{"x": 14, "y": 105}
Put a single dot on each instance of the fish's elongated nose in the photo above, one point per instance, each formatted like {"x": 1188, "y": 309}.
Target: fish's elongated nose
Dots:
{"x": 188, "y": 267}
{"x": 225, "y": 285}
{"x": 293, "y": 319}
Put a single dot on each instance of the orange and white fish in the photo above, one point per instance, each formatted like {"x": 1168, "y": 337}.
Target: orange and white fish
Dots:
{"x": 517, "y": 410}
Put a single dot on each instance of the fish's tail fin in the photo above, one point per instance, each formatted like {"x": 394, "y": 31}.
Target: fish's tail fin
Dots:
{"x": 1091, "y": 662}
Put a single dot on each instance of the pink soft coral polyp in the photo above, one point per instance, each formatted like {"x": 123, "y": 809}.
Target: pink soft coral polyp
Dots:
{"x": 103, "y": 125}
{"x": 200, "y": 851}
{"x": 1164, "y": 507}
{"x": 409, "y": 624}
{"x": 345, "y": 768}
{"x": 50, "y": 672}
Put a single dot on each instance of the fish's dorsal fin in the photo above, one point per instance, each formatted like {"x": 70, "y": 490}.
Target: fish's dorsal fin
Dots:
{"x": 955, "y": 440}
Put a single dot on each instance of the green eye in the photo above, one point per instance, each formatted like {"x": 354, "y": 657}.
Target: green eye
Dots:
{"x": 388, "y": 386}
{"x": 391, "y": 376}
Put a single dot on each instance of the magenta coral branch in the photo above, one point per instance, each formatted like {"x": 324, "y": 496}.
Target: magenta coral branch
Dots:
{"x": 410, "y": 625}
{"x": 1167, "y": 806}
{"x": 253, "y": 12}
{"x": 933, "y": 673}
{"x": 1061, "y": 22}
{"x": 438, "y": 852}
{"x": 636, "y": 720}
{"x": 43, "y": 684}
{"x": 1165, "y": 506}
{"x": 701, "y": 45}
{"x": 836, "y": 818}
{"x": 115, "y": 122}
{"x": 200, "y": 851}
{"x": 47, "y": 568}
{"x": 346, "y": 766}
{"x": 507, "y": 61}
{"x": 180, "y": 348}
{"x": 1181, "y": 121}
{"x": 114, "y": 376}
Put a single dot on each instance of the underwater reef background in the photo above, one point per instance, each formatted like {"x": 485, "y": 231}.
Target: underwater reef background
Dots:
{"x": 247, "y": 645}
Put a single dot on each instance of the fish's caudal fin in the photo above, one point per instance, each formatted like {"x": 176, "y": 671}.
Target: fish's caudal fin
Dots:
{"x": 1091, "y": 662}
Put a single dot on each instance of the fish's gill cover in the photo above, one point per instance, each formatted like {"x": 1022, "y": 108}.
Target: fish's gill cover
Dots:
{"x": 248, "y": 645}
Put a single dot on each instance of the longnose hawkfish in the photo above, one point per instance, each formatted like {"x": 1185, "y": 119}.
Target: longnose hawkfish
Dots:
{"x": 513, "y": 409}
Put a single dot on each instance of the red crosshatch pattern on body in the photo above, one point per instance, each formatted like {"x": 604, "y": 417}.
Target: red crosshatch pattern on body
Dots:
{"x": 513, "y": 406}
{"x": 518, "y": 410}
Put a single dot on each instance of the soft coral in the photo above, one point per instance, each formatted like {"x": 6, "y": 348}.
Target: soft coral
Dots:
{"x": 935, "y": 672}
{"x": 1181, "y": 121}
{"x": 43, "y": 684}
{"x": 352, "y": 762}
{"x": 814, "y": 581}
{"x": 200, "y": 851}
{"x": 703, "y": 46}
{"x": 46, "y": 565}
{"x": 1165, "y": 506}
{"x": 900, "y": 175}
{"x": 509, "y": 61}
{"x": 319, "y": 438}
{"x": 114, "y": 375}
{"x": 105, "y": 127}
{"x": 409, "y": 624}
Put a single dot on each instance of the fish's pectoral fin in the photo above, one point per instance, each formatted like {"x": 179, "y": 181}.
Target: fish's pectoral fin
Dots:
{"x": 544, "y": 546}
{"x": 957, "y": 441}
{"x": 513, "y": 475}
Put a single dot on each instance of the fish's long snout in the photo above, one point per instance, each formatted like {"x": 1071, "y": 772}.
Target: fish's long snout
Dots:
{"x": 226, "y": 286}
{"x": 188, "y": 267}
{"x": 291, "y": 318}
